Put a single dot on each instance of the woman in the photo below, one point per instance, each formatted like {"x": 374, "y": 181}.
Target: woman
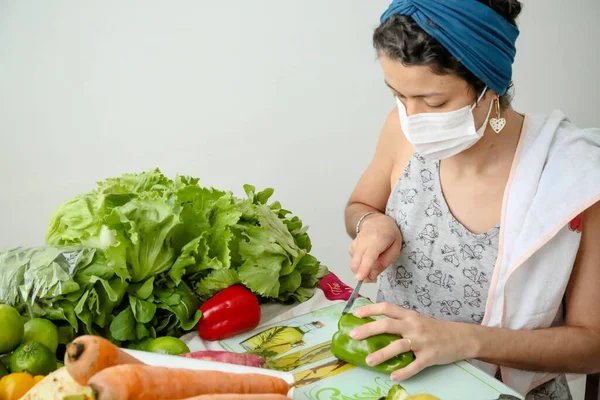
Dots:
{"x": 478, "y": 221}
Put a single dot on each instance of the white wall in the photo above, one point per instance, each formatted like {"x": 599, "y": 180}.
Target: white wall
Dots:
{"x": 558, "y": 60}
{"x": 269, "y": 92}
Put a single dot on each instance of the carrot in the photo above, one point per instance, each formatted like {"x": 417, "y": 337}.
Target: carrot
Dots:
{"x": 87, "y": 355}
{"x": 239, "y": 397}
{"x": 143, "y": 382}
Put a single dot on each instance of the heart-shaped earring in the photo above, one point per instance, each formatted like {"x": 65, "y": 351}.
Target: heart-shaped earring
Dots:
{"x": 497, "y": 123}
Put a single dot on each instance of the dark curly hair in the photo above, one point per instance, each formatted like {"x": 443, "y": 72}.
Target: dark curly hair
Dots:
{"x": 401, "y": 39}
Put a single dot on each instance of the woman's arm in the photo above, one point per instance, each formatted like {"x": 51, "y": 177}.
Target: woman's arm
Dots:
{"x": 574, "y": 347}
{"x": 373, "y": 189}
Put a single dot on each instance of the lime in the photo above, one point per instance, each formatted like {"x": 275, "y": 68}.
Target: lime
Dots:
{"x": 34, "y": 358}
{"x": 167, "y": 345}
{"x": 42, "y": 331}
{"x": 5, "y": 360}
{"x": 3, "y": 370}
{"x": 59, "y": 365}
{"x": 11, "y": 334}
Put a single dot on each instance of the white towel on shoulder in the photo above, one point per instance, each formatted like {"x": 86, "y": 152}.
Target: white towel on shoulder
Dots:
{"x": 557, "y": 177}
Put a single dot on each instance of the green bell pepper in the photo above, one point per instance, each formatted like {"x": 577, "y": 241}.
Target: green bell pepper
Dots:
{"x": 355, "y": 352}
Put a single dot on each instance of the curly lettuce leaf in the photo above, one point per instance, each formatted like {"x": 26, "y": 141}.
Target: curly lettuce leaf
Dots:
{"x": 262, "y": 277}
{"x": 208, "y": 216}
{"x": 194, "y": 261}
{"x": 155, "y": 238}
{"x": 216, "y": 281}
{"x": 146, "y": 225}
{"x": 76, "y": 221}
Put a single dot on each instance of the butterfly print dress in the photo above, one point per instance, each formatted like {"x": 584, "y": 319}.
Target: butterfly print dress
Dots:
{"x": 444, "y": 270}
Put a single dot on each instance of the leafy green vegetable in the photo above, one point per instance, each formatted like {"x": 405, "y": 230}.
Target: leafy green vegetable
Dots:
{"x": 135, "y": 257}
{"x": 123, "y": 326}
{"x": 216, "y": 281}
{"x": 143, "y": 310}
{"x": 142, "y": 290}
{"x": 183, "y": 304}
{"x": 67, "y": 284}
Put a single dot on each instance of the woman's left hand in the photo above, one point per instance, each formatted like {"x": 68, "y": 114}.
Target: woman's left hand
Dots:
{"x": 434, "y": 342}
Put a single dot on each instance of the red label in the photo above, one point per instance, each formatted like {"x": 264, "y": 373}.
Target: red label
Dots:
{"x": 576, "y": 225}
{"x": 334, "y": 288}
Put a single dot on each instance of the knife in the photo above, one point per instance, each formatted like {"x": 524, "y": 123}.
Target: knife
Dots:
{"x": 352, "y": 298}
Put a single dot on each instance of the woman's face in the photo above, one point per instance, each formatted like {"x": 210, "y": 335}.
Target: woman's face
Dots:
{"x": 423, "y": 91}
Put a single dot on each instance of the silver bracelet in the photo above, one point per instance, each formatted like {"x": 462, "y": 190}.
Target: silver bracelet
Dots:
{"x": 365, "y": 215}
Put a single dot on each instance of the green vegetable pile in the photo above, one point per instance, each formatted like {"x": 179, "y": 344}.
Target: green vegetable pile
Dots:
{"x": 135, "y": 258}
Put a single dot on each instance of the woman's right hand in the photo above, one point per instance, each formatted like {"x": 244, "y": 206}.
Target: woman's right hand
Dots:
{"x": 377, "y": 246}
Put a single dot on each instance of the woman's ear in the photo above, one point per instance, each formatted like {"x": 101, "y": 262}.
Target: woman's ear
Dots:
{"x": 490, "y": 95}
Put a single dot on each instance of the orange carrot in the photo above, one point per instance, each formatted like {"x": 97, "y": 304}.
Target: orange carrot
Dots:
{"x": 239, "y": 397}
{"x": 143, "y": 382}
{"x": 87, "y": 355}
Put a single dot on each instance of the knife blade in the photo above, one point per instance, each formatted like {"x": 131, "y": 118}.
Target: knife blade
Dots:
{"x": 352, "y": 298}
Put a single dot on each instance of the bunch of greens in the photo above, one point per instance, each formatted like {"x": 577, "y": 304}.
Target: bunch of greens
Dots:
{"x": 136, "y": 257}
{"x": 81, "y": 288}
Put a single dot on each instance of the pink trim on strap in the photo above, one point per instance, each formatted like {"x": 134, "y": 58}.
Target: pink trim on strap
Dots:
{"x": 505, "y": 372}
{"x": 547, "y": 238}
{"x": 541, "y": 381}
{"x": 498, "y": 266}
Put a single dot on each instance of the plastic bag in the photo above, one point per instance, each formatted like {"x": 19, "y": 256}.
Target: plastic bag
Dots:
{"x": 43, "y": 274}
{"x": 80, "y": 290}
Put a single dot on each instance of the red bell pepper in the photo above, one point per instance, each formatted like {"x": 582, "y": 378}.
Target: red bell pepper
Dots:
{"x": 230, "y": 312}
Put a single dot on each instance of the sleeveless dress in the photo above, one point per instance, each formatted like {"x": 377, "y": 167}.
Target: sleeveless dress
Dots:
{"x": 444, "y": 269}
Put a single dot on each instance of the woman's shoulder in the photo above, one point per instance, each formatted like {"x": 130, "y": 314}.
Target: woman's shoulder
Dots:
{"x": 392, "y": 134}
{"x": 555, "y": 135}
{"x": 556, "y": 154}
{"x": 555, "y": 123}
{"x": 394, "y": 146}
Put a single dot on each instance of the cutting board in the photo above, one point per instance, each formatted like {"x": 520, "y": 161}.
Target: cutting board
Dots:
{"x": 301, "y": 346}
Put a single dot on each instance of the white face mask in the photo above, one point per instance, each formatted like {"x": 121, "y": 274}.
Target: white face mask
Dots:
{"x": 436, "y": 136}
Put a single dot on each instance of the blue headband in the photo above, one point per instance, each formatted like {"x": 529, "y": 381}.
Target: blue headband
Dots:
{"x": 481, "y": 39}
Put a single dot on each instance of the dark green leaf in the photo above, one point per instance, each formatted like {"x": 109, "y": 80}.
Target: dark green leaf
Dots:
{"x": 143, "y": 310}
{"x": 142, "y": 290}
{"x": 141, "y": 332}
{"x": 123, "y": 326}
